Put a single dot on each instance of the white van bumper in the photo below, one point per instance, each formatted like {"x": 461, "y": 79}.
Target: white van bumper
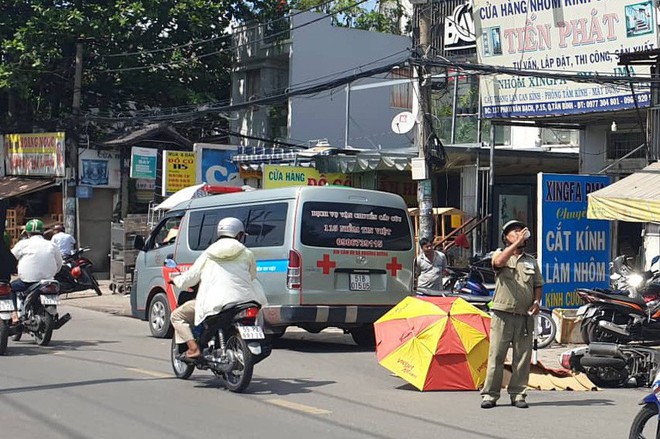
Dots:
{"x": 285, "y": 315}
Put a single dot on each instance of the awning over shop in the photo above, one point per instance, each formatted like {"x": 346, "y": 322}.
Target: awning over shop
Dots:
{"x": 19, "y": 186}
{"x": 635, "y": 198}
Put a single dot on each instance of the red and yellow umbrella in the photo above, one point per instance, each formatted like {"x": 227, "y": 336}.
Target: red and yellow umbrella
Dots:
{"x": 435, "y": 343}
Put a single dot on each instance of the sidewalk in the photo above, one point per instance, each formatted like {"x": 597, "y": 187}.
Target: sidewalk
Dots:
{"x": 119, "y": 304}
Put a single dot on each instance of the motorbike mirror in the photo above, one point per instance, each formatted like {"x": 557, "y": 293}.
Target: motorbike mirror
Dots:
{"x": 138, "y": 242}
{"x": 654, "y": 260}
{"x": 170, "y": 263}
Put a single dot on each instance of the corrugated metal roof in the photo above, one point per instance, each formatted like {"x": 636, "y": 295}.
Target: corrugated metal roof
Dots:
{"x": 18, "y": 186}
{"x": 635, "y": 198}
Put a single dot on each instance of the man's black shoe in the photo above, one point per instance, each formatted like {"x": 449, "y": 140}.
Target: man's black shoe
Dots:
{"x": 520, "y": 403}
{"x": 487, "y": 404}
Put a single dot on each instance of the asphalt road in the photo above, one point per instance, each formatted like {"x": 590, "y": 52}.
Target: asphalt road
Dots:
{"x": 104, "y": 377}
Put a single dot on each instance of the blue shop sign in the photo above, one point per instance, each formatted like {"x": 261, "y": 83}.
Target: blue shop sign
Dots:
{"x": 574, "y": 252}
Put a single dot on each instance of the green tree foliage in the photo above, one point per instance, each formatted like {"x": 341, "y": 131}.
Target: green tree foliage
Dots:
{"x": 359, "y": 14}
{"x": 137, "y": 54}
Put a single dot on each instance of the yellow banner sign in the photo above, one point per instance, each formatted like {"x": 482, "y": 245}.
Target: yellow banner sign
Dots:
{"x": 283, "y": 176}
{"x": 40, "y": 154}
{"x": 178, "y": 171}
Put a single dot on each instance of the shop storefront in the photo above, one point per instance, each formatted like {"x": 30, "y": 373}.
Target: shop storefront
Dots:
{"x": 33, "y": 168}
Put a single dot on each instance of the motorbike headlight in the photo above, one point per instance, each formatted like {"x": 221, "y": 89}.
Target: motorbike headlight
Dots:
{"x": 635, "y": 280}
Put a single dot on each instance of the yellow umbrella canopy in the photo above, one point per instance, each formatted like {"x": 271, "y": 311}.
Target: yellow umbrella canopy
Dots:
{"x": 435, "y": 343}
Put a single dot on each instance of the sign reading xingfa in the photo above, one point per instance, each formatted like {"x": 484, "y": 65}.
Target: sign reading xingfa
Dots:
{"x": 459, "y": 31}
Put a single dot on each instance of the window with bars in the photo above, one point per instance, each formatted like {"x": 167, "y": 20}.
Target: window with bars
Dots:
{"x": 621, "y": 143}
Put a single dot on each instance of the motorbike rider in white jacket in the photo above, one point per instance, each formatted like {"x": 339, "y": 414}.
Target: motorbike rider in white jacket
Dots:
{"x": 226, "y": 273}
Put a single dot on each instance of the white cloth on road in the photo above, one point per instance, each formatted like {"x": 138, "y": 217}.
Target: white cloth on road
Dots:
{"x": 226, "y": 273}
{"x": 64, "y": 242}
{"x": 38, "y": 259}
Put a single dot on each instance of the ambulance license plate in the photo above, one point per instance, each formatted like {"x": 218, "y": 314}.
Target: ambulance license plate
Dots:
{"x": 359, "y": 282}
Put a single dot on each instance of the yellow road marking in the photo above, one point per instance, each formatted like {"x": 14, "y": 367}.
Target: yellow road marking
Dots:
{"x": 151, "y": 373}
{"x": 298, "y": 407}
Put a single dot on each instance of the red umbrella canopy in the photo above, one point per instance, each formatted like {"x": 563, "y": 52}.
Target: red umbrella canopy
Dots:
{"x": 435, "y": 343}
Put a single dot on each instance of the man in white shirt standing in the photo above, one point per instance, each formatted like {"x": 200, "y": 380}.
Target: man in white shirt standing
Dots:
{"x": 63, "y": 240}
{"x": 430, "y": 266}
{"x": 38, "y": 259}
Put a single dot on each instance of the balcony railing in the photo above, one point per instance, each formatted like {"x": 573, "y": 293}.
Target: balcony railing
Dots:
{"x": 255, "y": 41}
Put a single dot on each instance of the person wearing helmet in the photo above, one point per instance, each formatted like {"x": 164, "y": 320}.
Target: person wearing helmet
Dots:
{"x": 63, "y": 240}
{"x": 518, "y": 292}
{"x": 226, "y": 273}
{"x": 38, "y": 259}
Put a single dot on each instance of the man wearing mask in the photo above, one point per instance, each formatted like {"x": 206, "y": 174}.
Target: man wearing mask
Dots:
{"x": 518, "y": 293}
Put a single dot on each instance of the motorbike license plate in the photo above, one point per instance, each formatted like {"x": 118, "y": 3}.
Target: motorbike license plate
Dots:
{"x": 6, "y": 305}
{"x": 50, "y": 300}
{"x": 359, "y": 282}
{"x": 251, "y": 332}
{"x": 581, "y": 310}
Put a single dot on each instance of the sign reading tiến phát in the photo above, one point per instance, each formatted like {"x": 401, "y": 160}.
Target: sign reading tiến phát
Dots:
{"x": 572, "y": 37}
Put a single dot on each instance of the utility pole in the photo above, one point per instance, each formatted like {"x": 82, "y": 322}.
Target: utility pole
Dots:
{"x": 424, "y": 186}
{"x": 69, "y": 194}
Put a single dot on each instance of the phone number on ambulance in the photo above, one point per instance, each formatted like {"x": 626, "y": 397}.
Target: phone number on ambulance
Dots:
{"x": 362, "y": 243}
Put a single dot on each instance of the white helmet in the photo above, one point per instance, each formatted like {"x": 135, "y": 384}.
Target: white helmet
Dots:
{"x": 230, "y": 227}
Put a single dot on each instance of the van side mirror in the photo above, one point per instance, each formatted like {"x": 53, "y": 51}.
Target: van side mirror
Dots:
{"x": 138, "y": 242}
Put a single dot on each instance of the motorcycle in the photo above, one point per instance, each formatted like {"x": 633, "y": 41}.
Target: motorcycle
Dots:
{"x": 6, "y": 308}
{"x": 37, "y": 309}
{"x": 612, "y": 365}
{"x": 627, "y": 313}
{"x": 616, "y": 318}
{"x": 77, "y": 274}
{"x": 232, "y": 343}
{"x": 650, "y": 405}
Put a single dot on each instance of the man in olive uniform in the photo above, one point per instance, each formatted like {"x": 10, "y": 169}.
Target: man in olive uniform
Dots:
{"x": 517, "y": 299}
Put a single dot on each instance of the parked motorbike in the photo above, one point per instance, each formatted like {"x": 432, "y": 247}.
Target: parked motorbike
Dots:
{"x": 641, "y": 427}
{"x": 611, "y": 317}
{"x": 613, "y": 365}
{"x": 37, "y": 308}
{"x": 77, "y": 274}
{"x": 6, "y": 308}
{"x": 232, "y": 342}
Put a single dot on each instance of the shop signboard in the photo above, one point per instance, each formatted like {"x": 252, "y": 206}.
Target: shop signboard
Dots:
{"x": 459, "y": 28}
{"x": 143, "y": 163}
{"x": 284, "y": 176}
{"x": 35, "y": 155}
{"x": 579, "y": 38}
{"x": 100, "y": 168}
{"x": 178, "y": 171}
{"x": 216, "y": 166}
{"x": 144, "y": 190}
{"x": 574, "y": 252}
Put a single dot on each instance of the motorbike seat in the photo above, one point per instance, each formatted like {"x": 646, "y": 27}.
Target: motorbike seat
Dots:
{"x": 622, "y": 298}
